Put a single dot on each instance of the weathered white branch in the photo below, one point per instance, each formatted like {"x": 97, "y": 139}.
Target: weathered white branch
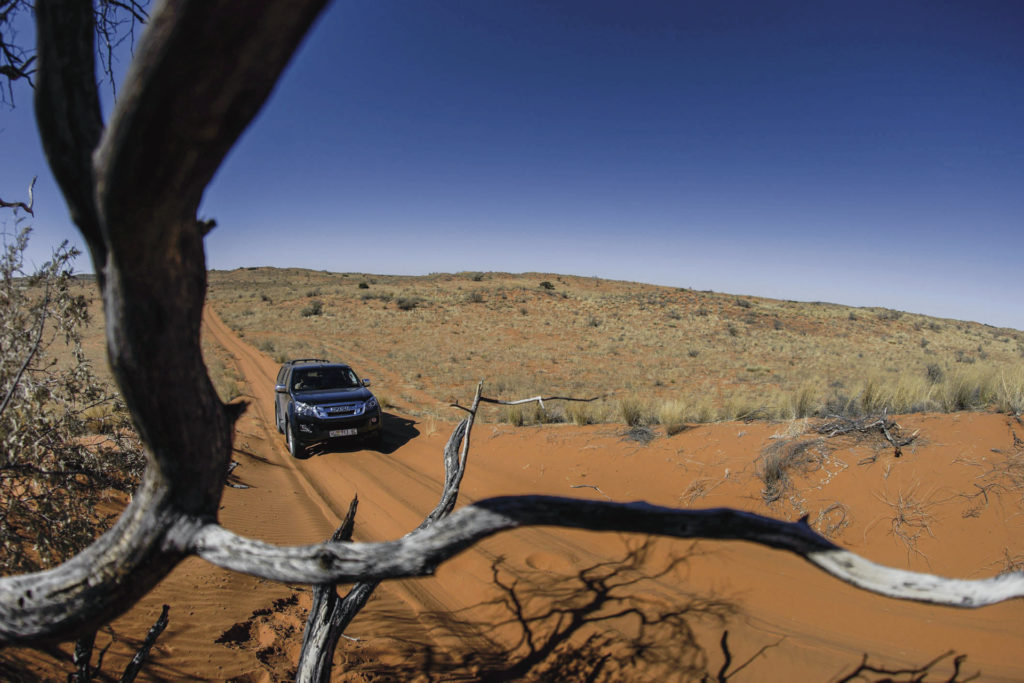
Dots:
{"x": 22, "y": 205}
{"x": 421, "y": 552}
{"x": 537, "y": 399}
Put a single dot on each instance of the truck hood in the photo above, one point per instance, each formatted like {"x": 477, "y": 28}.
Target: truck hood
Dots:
{"x": 317, "y": 398}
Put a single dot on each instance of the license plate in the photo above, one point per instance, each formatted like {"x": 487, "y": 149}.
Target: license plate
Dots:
{"x": 342, "y": 432}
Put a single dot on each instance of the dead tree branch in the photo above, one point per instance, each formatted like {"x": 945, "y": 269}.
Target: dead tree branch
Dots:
{"x": 142, "y": 654}
{"x": 233, "y": 484}
{"x": 27, "y": 208}
{"x": 838, "y": 426}
{"x": 85, "y": 672}
{"x": 538, "y": 399}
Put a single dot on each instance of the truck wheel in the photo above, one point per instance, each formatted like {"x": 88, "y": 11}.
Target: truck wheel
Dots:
{"x": 294, "y": 447}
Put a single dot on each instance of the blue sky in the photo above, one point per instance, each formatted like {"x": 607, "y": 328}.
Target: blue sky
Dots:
{"x": 865, "y": 153}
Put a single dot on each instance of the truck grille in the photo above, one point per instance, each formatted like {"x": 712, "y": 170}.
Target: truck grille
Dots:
{"x": 342, "y": 409}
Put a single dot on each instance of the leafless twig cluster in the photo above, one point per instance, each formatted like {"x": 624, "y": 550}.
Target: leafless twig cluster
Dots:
{"x": 881, "y": 424}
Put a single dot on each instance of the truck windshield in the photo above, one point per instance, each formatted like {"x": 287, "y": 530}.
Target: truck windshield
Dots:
{"x": 324, "y": 379}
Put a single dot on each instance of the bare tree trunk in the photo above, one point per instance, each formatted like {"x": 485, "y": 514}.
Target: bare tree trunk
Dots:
{"x": 201, "y": 73}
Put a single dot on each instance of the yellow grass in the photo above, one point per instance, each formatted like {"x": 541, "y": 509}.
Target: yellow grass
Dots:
{"x": 654, "y": 354}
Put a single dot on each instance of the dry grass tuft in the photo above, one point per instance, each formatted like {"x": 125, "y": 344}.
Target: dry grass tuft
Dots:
{"x": 634, "y": 411}
{"x": 784, "y": 457}
{"x": 831, "y": 520}
{"x": 672, "y": 415}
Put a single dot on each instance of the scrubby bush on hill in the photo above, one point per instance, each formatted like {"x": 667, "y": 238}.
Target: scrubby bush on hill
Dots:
{"x": 65, "y": 439}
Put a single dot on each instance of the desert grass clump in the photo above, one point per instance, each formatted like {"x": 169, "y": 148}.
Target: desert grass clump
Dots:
{"x": 530, "y": 414}
{"x": 407, "y": 303}
{"x": 542, "y": 415}
{"x": 704, "y": 411}
{"x": 783, "y": 458}
{"x": 805, "y": 402}
{"x": 743, "y": 408}
{"x": 968, "y": 390}
{"x": 1010, "y": 392}
{"x": 871, "y": 401}
{"x": 513, "y": 415}
{"x": 672, "y": 416}
{"x": 911, "y": 394}
{"x": 581, "y": 414}
{"x": 634, "y": 411}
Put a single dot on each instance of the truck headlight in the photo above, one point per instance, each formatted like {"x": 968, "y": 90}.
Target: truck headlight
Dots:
{"x": 306, "y": 410}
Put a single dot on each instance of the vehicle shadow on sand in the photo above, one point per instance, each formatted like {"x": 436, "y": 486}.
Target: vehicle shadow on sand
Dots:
{"x": 398, "y": 431}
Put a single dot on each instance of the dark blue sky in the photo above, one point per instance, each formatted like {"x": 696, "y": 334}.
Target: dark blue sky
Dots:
{"x": 863, "y": 153}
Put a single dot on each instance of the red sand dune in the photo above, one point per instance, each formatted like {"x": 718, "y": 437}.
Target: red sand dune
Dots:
{"x": 549, "y": 603}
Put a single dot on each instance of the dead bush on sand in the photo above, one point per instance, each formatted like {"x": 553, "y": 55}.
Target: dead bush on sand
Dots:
{"x": 783, "y": 458}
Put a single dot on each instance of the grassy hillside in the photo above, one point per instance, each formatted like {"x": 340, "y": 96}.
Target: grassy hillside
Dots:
{"x": 654, "y": 353}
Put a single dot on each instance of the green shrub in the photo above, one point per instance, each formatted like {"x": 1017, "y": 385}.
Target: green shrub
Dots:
{"x": 54, "y": 481}
{"x": 315, "y": 307}
{"x": 407, "y": 303}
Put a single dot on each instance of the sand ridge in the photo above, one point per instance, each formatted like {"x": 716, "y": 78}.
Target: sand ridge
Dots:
{"x": 542, "y": 603}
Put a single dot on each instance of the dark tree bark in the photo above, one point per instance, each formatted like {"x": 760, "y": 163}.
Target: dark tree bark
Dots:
{"x": 201, "y": 73}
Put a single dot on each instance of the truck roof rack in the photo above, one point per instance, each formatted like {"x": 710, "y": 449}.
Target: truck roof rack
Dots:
{"x": 307, "y": 360}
